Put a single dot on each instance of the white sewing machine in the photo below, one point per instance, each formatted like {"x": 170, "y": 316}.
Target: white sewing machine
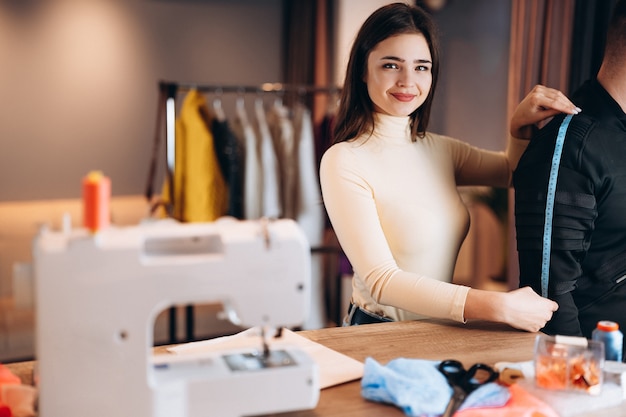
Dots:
{"x": 98, "y": 296}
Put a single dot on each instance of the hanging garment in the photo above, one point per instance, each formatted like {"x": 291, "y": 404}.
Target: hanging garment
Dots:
{"x": 230, "y": 154}
{"x": 310, "y": 213}
{"x": 270, "y": 191}
{"x": 283, "y": 138}
{"x": 200, "y": 193}
{"x": 252, "y": 173}
{"x": 309, "y": 210}
{"x": 324, "y": 139}
{"x": 324, "y": 136}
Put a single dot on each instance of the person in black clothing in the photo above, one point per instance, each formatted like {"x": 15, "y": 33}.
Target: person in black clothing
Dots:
{"x": 587, "y": 264}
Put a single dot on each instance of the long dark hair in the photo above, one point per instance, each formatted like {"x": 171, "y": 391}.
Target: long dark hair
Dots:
{"x": 356, "y": 112}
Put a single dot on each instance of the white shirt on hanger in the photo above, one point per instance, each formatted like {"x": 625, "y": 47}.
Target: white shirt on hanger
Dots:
{"x": 281, "y": 126}
{"x": 270, "y": 206}
{"x": 253, "y": 175}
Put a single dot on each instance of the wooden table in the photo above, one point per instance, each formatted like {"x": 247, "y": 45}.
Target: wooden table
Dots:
{"x": 426, "y": 339}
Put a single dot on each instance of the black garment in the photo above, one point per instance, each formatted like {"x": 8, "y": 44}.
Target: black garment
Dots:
{"x": 229, "y": 155}
{"x": 358, "y": 316}
{"x": 588, "y": 257}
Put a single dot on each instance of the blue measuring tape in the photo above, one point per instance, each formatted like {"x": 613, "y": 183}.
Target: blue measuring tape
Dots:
{"x": 547, "y": 226}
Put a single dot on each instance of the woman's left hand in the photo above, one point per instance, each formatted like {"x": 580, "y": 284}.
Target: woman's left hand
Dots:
{"x": 540, "y": 104}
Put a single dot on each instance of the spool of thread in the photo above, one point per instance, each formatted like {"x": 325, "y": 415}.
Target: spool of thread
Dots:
{"x": 96, "y": 198}
{"x": 609, "y": 333}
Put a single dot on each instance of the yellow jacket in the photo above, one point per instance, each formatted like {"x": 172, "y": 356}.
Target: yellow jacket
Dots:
{"x": 200, "y": 192}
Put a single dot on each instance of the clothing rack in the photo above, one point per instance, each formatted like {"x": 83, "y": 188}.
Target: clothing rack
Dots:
{"x": 168, "y": 92}
{"x": 236, "y": 88}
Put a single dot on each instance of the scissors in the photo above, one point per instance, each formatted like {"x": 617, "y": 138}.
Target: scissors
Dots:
{"x": 463, "y": 381}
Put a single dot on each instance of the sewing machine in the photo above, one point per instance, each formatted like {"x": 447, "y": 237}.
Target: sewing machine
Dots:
{"x": 98, "y": 295}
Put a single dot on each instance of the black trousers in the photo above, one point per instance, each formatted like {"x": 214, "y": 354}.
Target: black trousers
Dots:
{"x": 357, "y": 316}
{"x": 611, "y": 306}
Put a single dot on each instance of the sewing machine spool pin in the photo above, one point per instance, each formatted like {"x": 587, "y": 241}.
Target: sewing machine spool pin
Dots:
{"x": 265, "y": 231}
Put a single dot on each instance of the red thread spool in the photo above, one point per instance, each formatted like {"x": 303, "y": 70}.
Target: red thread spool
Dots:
{"x": 96, "y": 197}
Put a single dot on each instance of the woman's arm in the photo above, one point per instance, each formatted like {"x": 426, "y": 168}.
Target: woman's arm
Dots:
{"x": 521, "y": 308}
{"x": 481, "y": 167}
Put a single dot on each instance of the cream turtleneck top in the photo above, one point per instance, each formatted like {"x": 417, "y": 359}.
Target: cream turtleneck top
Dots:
{"x": 395, "y": 208}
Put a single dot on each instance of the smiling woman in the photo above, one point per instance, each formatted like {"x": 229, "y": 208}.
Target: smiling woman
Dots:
{"x": 390, "y": 186}
{"x": 399, "y": 74}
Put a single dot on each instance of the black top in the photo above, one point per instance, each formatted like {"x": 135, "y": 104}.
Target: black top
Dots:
{"x": 230, "y": 158}
{"x": 588, "y": 256}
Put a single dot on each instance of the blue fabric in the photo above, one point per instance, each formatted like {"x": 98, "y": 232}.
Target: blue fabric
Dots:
{"x": 487, "y": 396}
{"x": 418, "y": 388}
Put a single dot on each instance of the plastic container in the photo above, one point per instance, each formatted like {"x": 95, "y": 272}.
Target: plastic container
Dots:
{"x": 609, "y": 333}
{"x": 566, "y": 363}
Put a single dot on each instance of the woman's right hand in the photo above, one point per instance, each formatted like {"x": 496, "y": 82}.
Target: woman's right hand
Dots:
{"x": 522, "y": 308}
{"x": 540, "y": 104}
{"x": 526, "y": 310}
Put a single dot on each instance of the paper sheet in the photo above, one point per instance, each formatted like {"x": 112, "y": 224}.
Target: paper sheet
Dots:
{"x": 335, "y": 368}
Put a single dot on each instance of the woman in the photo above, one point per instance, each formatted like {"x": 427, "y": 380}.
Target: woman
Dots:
{"x": 390, "y": 187}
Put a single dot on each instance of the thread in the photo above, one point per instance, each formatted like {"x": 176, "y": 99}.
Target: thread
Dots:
{"x": 609, "y": 333}
{"x": 96, "y": 197}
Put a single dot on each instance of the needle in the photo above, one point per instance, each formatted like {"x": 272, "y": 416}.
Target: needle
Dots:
{"x": 266, "y": 348}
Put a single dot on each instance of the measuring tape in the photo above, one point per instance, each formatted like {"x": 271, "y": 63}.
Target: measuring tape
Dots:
{"x": 547, "y": 226}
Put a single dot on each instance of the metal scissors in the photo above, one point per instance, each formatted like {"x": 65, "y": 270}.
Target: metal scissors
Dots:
{"x": 463, "y": 381}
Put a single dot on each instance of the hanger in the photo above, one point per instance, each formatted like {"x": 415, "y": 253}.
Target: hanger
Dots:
{"x": 278, "y": 98}
{"x": 218, "y": 110}
{"x": 259, "y": 103}
{"x": 240, "y": 107}
{"x": 333, "y": 101}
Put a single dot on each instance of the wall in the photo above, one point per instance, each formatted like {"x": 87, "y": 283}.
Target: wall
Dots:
{"x": 78, "y": 81}
{"x": 350, "y": 15}
{"x": 472, "y": 94}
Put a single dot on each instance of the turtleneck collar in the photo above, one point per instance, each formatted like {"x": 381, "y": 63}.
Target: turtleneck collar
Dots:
{"x": 395, "y": 129}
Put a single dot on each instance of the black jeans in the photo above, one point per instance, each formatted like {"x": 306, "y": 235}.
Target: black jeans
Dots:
{"x": 357, "y": 316}
{"x": 609, "y": 306}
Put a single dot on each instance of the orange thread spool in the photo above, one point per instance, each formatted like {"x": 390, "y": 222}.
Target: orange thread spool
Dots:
{"x": 96, "y": 197}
